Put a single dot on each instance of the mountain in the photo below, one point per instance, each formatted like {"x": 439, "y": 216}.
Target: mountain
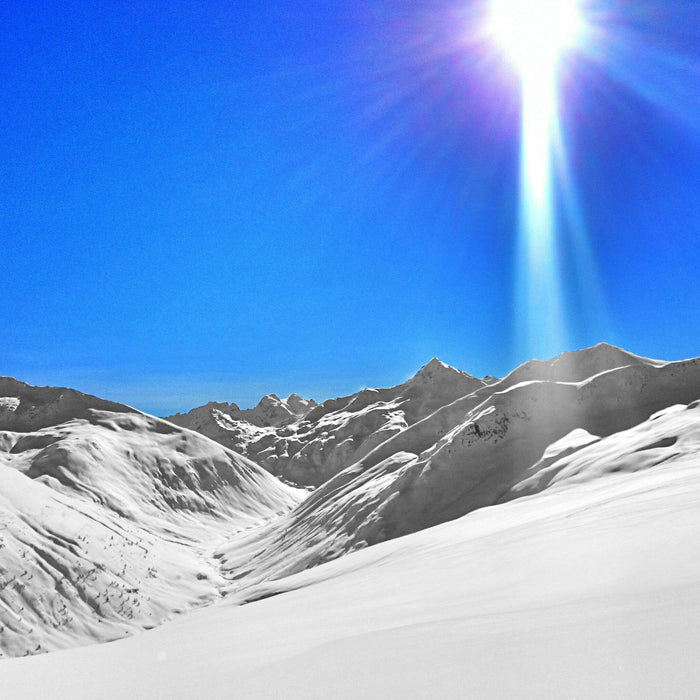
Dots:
{"x": 584, "y": 591}
{"x": 25, "y": 408}
{"x": 492, "y": 445}
{"x": 107, "y": 516}
{"x": 132, "y": 519}
{"x": 314, "y": 442}
{"x": 271, "y": 411}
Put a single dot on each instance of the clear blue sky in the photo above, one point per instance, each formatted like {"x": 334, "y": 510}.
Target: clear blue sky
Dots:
{"x": 217, "y": 200}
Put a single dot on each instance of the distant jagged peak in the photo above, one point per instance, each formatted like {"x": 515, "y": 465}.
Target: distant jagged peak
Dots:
{"x": 222, "y": 404}
{"x": 274, "y": 411}
{"x": 292, "y": 401}
{"x": 271, "y": 410}
{"x": 300, "y": 405}
{"x": 200, "y": 415}
{"x": 219, "y": 406}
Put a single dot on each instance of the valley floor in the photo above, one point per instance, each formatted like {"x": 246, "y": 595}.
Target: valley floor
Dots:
{"x": 586, "y": 591}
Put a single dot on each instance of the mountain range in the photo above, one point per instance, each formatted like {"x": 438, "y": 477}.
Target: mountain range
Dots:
{"x": 113, "y": 521}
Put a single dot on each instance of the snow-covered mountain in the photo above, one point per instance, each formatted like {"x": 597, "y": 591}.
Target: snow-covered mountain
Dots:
{"x": 309, "y": 447}
{"x": 106, "y": 517}
{"x": 113, "y": 521}
{"x": 308, "y": 443}
{"x": 589, "y": 590}
{"x": 271, "y": 411}
{"x": 486, "y": 447}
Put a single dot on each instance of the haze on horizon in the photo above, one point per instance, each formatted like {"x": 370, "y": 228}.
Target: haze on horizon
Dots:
{"x": 219, "y": 202}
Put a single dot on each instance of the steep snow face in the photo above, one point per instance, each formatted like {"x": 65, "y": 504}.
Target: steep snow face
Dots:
{"x": 108, "y": 520}
{"x": 326, "y": 438}
{"x": 488, "y": 447}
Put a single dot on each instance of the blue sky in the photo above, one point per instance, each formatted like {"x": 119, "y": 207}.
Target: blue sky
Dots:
{"x": 217, "y": 200}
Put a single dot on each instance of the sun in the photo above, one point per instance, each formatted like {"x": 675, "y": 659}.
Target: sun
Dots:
{"x": 534, "y": 33}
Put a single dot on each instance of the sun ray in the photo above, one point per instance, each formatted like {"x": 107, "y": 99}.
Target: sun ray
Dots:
{"x": 539, "y": 303}
{"x": 533, "y": 34}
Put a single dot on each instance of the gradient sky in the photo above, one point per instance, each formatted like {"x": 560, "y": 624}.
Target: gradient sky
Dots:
{"x": 218, "y": 200}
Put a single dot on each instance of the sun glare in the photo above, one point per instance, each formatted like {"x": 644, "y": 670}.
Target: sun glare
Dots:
{"x": 533, "y": 33}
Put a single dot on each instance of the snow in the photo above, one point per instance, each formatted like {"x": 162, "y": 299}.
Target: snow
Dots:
{"x": 9, "y": 403}
{"x": 489, "y": 446}
{"x": 108, "y": 522}
{"x": 589, "y": 592}
{"x": 534, "y": 536}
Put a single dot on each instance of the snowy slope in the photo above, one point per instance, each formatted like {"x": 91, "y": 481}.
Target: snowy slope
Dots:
{"x": 589, "y": 591}
{"x": 108, "y": 518}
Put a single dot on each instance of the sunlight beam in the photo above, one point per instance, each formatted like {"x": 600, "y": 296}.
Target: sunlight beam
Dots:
{"x": 533, "y": 34}
{"x": 540, "y": 318}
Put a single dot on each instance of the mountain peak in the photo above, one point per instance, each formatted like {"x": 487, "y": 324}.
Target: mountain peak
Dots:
{"x": 436, "y": 362}
{"x": 436, "y": 369}
{"x": 577, "y": 365}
